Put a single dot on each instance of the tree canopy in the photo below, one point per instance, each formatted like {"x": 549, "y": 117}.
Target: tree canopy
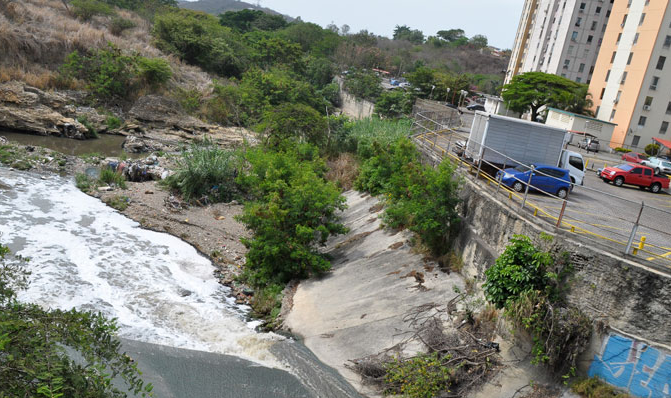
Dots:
{"x": 405, "y": 33}
{"x": 528, "y": 92}
{"x": 33, "y": 341}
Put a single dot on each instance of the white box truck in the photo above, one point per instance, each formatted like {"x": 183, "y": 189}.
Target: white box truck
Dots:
{"x": 507, "y": 142}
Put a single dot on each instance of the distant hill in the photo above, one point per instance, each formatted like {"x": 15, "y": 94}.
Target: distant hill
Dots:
{"x": 217, "y": 7}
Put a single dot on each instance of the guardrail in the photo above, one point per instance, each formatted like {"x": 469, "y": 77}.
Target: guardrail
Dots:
{"x": 634, "y": 233}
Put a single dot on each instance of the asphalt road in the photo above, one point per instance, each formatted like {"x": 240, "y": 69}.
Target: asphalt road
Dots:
{"x": 596, "y": 211}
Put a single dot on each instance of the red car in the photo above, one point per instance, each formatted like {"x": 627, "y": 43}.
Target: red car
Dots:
{"x": 635, "y": 174}
{"x": 634, "y": 157}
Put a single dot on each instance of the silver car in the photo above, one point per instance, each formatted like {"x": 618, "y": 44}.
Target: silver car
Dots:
{"x": 659, "y": 165}
{"x": 590, "y": 144}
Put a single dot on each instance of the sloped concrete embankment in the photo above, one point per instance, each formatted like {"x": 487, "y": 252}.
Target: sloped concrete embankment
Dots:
{"x": 630, "y": 302}
{"x": 357, "y": 309}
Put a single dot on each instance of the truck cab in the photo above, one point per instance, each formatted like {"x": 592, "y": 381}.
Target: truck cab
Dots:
{"x": 575, "y": 164}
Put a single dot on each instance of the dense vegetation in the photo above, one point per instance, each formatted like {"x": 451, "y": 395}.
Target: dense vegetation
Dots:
{"x": 33, "y": 345}
{"x": 529, "y": 283}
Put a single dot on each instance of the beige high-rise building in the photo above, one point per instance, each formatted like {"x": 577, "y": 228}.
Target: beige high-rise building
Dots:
{"x": 631, "y": 84}
{"x": 562, "y": 37}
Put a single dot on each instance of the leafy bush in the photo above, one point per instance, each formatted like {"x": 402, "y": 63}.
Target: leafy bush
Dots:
{"x": 622, "y": 150}
{"x": 294, "y": 211}
{"x": 394, "y": 104}
{"x": 425, "y": 200}
{"x": 206, "y": 170}
{"x": 521, "y": 268}
{"x": 87, "y": 9}
{"x": 384, "y": 132}
{"x": 113, "y": 122}
{"x": 267, "y": 304}
{"x": 293, "y": 123}
{"x": 118, "y": 25}
{"x": 652, "y": 149}
{"x": 118, "y": 202}
{"x": 109, "y": 72}
{"x": 190, "y": 100}
{"x": 154, "y": 71}
{"x": 33, "y": 344}
{"x": 363, "y": 84}
{"x": 423, "y": 376}
{"x": 84, "y": 182}
{"x": 377, "y": 171}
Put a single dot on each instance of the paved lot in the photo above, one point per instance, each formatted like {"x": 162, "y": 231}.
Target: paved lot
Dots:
{"x": 598, "y": 211}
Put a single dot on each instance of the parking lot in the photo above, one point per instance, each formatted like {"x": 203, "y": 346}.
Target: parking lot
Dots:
{"x": 596, "y": 211}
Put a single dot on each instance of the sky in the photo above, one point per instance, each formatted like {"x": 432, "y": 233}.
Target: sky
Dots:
{"x": 496, "y": 19}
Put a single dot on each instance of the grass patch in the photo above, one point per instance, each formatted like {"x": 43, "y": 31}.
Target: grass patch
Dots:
{"x": 92, "y": 158}
{"x": 111, "y": 177}
{"x": 90, "y": 130}
{"x": 383, "y": 132}
{"x": 343, "y": 171}
{"x": 267, "y": 304}
{"x": 118, "y": 202}
{"x": 596, "y": 388}
{"x": 84, "y": 182}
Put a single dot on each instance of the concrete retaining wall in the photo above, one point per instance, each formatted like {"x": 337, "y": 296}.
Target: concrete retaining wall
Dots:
{"x": 631, "y": 301}
{"x": 352, "y": 106}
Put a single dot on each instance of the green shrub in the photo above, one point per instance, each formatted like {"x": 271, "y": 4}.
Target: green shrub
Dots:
{"x": 87, "y": 9}
{"x": 206, "y": 170}
{"x": 267, "y": 304}
{"x": 109, "y": 72}
{"x": 90, "y": 130}
{"x": 652, "y": 149}
{"x": 113, "y": 122}
{"x": 294, "y": 211}
{"x": 363, "y": 84}
{"x": 84, "y": 182}
{"x": 118, "y": 202}
{"x": 295, "y": 123}
{"x": 190, "y": 100}
{"x": 377, "y": 170}
{"x": 622, "y": 150}
{"x": 119, "y": 24}
{"x": 394, "y": 104}
{"x": 384, "y": 132}
{"x": 154, "y": 71}
{"x": 111, "y": 177}
{"x": 423, "y": 376}
{"x": 425, "y": 200}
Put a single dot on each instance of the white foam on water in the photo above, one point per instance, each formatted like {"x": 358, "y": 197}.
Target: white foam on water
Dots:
{"x": 87, "y": 256}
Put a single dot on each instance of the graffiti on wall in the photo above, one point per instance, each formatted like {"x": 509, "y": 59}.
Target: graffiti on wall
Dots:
{"x": 634, "y": 366}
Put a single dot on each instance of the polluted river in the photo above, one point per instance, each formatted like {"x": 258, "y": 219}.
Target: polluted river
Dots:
{"x": 186, "y": 332}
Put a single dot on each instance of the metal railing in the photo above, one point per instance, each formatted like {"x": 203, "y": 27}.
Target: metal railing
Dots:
{"x": 637, "y": 231}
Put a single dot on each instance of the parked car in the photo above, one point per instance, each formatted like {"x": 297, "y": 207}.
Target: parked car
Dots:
{"x": 634, "y": 174}
{"x": 590, "y": 144}
{"x": 545, "y": 178}
{"x": 658, "y": 164}
{"x": 450, "y": 105}
{"x": 634, "y": 157}
{"x": 476, "y": 107}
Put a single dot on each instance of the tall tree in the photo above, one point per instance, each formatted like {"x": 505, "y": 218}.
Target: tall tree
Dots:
{"x": 479, "y": 41}
{"x": 532, "y": 90}
{"x": 405, "y": 33}
{"x": 450, "y": 35}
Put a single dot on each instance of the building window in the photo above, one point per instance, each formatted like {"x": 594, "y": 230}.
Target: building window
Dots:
{"x": 660, "y": 63}
{"x": 635, "y": 141}
{"x": 617, "y": 97}
{"x": 581, "y": 68}
{"x": 631, "y": 55}
{"x": 648, "y": 101}
{"x": 574, "y": 36}
{"x": 566, "y": 63}
{"x": 624, "y": 77}
{"x": 603, "y": 28}
{"x": 608, "y": 14}
{"x": 607, "y": 74}
{"x": 589, "y": 39}
{"x": 582, "y": 6}
{"x": 624, "y": 20}
{"x": 603, "y": 91}
{"x": 635, "y": 38}
{"x": 598, "y": 11}
{"x": 641, "y": 121}
{"x": 563, "y": 75}
{"x": 664, "y": 127}
{"x": 667, "y": 41}
{"x": 594, "y": 24}
{"x": 578, "y": 21}
{"x": 612, "y": 115}
{"x": 668, "y": 108}
{"x": 642, "y": 19}
{"x": 619, "y": 36}
{"x": 570, "y": 50}
{"x": 629, "y": 4}
{"x": 578, "y": 79}
{"x": 613, "y": 57}
{"x": 655, "y": 82}
{"x": 597, "y": 110}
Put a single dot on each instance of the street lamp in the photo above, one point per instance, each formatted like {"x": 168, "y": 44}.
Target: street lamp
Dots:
{"x": 447, "y": 95}
{"x": 462, "y": 96}
{"x": 433, "y": 86}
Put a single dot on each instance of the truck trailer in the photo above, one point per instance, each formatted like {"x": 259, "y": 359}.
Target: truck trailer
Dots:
{"x": 502, "y": 142}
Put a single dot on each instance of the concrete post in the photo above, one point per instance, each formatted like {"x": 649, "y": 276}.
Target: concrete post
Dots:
{"x": 526, "y": 191}
{"x": 634, "y": 229}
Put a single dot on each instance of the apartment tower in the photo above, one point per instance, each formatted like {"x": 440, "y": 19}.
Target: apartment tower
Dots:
{"x": 631, "y": 84}
{"x": 561, "y": 37}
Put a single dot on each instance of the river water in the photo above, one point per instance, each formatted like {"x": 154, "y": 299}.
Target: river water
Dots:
{"x": 87, "y": 256}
